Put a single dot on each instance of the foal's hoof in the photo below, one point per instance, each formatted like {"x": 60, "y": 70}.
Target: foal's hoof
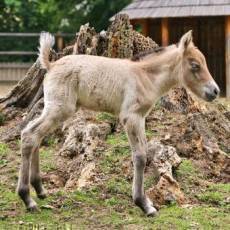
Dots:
{"x": 33, "y": 209}
{"x": 151, "y": 211}
{"x": 42, "y": 196}
{"x": 146, "y": 205}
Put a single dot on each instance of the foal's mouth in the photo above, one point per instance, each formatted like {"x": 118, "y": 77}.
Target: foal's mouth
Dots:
{"x": 211, "y": 91}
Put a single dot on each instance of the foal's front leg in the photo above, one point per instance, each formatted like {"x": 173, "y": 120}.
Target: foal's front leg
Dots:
{"x": 135, "y": 128}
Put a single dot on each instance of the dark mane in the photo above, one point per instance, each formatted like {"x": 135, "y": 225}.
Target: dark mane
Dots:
{"x": 141, "y": 55}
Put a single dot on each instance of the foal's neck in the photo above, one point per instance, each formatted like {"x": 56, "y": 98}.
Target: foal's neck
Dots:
{"x": 163, "y": 70}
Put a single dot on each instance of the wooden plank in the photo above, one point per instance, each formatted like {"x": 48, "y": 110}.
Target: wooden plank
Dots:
{"x": 15, "y": 65}
{"x": 11, "y": 72}
{"x": 18, "y": 53}
{"x": 145, "y": 27}
{"x": 227, "y": 54}
{"x": 2, "y": 34}
{"x": 164, "y": 32}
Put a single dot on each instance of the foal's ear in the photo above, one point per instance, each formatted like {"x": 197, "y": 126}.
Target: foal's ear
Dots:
{"x": 185, "y": 41}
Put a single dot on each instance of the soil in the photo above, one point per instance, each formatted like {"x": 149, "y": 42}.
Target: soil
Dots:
{"x": 103, "y": 166}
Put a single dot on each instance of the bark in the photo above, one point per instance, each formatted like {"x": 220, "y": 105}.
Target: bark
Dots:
{"x": 24, "y": 92}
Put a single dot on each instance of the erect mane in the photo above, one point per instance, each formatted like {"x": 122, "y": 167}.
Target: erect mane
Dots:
{"x": 141, "y": 55}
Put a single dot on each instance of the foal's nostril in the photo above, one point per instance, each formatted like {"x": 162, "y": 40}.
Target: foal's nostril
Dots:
{"x": 215, "y": 91}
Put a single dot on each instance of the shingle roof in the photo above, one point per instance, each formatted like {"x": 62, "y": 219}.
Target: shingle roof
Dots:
{"x": 176, "y": 8}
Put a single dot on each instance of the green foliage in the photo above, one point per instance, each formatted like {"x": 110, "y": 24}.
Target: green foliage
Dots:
{"x": 53, "y": 16}
{"x": 64, "y": 16}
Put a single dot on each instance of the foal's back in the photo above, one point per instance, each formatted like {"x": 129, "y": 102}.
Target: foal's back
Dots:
{"x": 96, "y": 83}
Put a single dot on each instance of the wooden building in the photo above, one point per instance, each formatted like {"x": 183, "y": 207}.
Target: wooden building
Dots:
{"x": 165, "y": 21}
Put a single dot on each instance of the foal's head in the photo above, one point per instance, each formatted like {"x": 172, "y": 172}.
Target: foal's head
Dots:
{"x": 195, "y": 73}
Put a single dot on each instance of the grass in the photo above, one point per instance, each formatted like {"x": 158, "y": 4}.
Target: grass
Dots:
{"x": 186, "y": 169}
{"x": 216, "y": 194}
{"x": 118, "y": 185}
{"x": 86, "y": 208}
{"x": 108, "y": 204}
{"x": 47, "y": 161}
{"x": 4, "y": 149}
{"x": 188, "y": 175}
{"x": 50, "y": 141}
{"x": 211, "y": 197}
{"x": 106, "y": 117}
{"x": 117, "y": 139}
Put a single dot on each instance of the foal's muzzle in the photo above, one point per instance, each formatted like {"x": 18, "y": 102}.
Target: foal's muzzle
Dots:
{"x": 211, "y": 91}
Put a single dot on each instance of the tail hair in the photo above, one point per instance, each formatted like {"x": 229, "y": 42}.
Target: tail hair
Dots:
{"x": 46, "y": 43}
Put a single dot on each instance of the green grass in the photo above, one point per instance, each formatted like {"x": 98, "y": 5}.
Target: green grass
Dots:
{"x": 172, "y": 217}
{"x": 117, "y": 139}
{"x": 106, "y": 117}
{"x": 118, "y": 185}
{"x": 108, "y": 204}
{"x": 224, "y": 188}
{"x": 186, "y": 169}
{"x": 50, "y": 141}
{"x": 215, "y": 194}
{"x": 150, "y": 134}
{"x": 47, "y": 162}
{"x": 84, "y": 209}
{"x": 150, "y": 180}
{"x": 211, "y": 197}
{"x": 188, "y": 175}
{"x": 118, "y": 150}
{"x": 4, "y": 149}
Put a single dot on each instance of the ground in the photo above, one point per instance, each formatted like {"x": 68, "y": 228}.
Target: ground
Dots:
{"x": 107, "y": 203}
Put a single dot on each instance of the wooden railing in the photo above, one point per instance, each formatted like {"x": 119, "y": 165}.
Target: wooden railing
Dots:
{"x": 13, "y": 71}
{"x": 16, "y": 71}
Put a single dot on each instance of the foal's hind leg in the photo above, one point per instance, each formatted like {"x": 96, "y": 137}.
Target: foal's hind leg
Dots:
{"x": 35, "y": 177}
{"x": 135, "y": 128}
{"x": 31, "y": 138}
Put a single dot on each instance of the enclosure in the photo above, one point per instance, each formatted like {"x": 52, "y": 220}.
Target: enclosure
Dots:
{"x": 86, "y": 164}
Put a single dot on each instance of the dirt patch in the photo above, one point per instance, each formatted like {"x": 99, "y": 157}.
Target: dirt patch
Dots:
{"x": 98, "y": 159}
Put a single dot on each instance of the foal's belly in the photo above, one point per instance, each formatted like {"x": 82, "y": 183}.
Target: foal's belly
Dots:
{"x": 99, "y": 95}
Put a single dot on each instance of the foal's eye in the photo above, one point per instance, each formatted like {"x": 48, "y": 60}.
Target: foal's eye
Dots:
{"x": 195, "y": 66}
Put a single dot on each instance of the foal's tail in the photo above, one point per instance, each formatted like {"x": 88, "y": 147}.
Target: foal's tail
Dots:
{"x": 46, "y": 43}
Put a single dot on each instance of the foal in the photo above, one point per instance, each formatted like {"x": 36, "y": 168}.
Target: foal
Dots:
{"x": 125, "y": 88}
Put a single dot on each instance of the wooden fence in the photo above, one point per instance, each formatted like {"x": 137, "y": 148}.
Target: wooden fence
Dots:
{"x": 13, "y": 71}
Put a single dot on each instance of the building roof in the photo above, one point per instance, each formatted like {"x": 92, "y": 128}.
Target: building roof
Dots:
{"x": 176, "y": 8}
